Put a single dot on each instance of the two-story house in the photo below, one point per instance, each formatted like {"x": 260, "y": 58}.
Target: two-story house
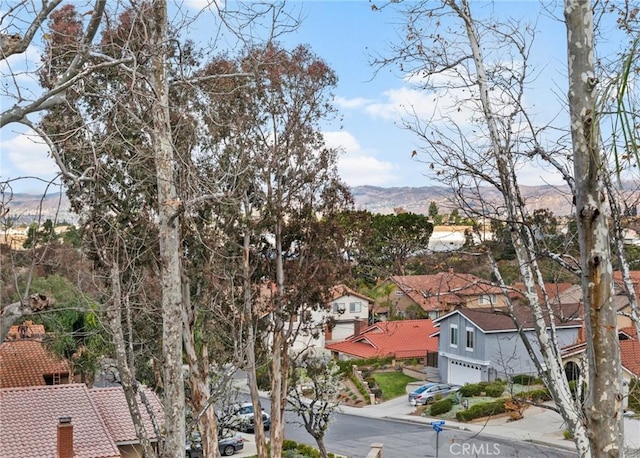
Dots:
{"x": 436, "y": 295}
{"x": 483, "y": 343}
{"x": 345, "y": 311}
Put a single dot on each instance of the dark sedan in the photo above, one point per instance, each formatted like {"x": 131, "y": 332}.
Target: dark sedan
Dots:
{"x": 427, "y": 393}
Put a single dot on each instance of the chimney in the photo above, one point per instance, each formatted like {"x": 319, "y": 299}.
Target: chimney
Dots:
{"x": 65, "y": 437}
{"x": 328, "y": 332}
{"x": 358, "y": 324}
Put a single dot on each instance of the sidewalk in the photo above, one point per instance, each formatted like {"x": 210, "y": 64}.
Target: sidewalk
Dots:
{"x": 539, "y": 425}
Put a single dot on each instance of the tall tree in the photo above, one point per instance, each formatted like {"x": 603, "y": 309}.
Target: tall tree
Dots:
{"x": 590, "y": 172}
{"x": 481, "y": 68}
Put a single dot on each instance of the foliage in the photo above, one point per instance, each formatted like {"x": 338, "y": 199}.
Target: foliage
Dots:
{"x": 380, "y": 245}
{"x": 37, "y": 236}
{"x": 347, "y": 365}
{"x": 634, "y": 395}
{"x": 492, "y": 389}
{"x": 441, "y": 406}
{"x": 361, "y": 388}
{"x": 539, "y": 395}
{"x": 481, "y": 410}
{"x": 470, "y": 389}
{"x": 526, "y": 379}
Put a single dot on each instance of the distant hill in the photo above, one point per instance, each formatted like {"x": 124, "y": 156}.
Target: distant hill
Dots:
{"x": 417, "y": 199}
{"x": 26, "y": 207}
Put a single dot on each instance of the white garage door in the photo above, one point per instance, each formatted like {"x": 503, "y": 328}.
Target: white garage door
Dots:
{"x": 461, "y": 372}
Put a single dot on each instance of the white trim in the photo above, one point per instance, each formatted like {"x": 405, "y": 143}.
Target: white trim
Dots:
{"x": 466, "y": 338}
{"x": 464, "y": 358}
{"x": 451, "y": 328}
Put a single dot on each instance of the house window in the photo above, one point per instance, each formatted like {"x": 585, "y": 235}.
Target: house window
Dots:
{"x": 487, "y": 299}
{"x": 453, "y": 333}
{"x": 338, "y": 307}
{"x": 355, "y": 307}
{"x": 470, "y": 339}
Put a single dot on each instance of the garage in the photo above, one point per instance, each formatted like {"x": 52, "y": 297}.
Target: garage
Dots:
{"x": 461, "y": 372}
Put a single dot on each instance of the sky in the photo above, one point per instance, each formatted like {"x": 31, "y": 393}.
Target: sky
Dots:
{"x": 346, "y": 34}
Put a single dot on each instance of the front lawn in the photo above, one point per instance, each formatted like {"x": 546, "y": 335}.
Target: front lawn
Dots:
{"x": 392, "y": 384}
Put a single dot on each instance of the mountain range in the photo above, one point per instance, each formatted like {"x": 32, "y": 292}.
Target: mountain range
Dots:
{"x": 25, "y": 208}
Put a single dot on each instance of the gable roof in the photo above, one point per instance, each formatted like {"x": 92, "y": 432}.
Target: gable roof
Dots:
{"x": 443, "y": 290}
{"x": 401, "y": 339}
{"x": 498, "y": 319}
{"x": 629, "y": 350}
{"x": 29, "y": 420}
{"x": 26, "y": 362}
{"x": 341, "y": 290}
{"x": 112, "y": 406}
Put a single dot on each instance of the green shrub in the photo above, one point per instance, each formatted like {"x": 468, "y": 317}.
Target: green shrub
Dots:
{"x": 370, "y": 381}
{"x": 484, "y": 409}
{"x": 494, "y": 390}
{"x": 525, "y": 379}
{"x": 361, "y": 388}
{"x": 567, "y": 434}
{"x": 573, "y": 387}
{"x": 346, "y": 365}
{"x": 470, "y": 389}
{"x": 634, "y": 395}
{"x": 539, "y": 395}
{"x": 440, "y": 407}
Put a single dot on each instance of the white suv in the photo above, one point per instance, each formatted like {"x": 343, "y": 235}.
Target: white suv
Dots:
{"x": 242, "y": 418}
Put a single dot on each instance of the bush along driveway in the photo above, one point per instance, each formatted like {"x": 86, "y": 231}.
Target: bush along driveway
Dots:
{"x": 486, "y": 399}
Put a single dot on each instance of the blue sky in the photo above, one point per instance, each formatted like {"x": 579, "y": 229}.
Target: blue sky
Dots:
{"x": 346, "y": 34}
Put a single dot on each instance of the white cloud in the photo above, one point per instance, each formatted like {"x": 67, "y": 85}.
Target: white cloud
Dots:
{"x": 358, "y": 167}
{"x": 27, "y": 154}
{"x": 357, "y": 102}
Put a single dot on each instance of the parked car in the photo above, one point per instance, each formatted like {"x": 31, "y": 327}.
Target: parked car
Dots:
{"x": 242, "y": 419}
{"x": 427, "y": 393}
{"x": 228, "y": 444}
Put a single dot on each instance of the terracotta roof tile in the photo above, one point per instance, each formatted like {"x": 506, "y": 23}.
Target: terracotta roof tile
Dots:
{"x": 112, "y": 406}
{"x": 443, "y": 290}
{"x": 402, "y": 339}
{"x": 29, "y": 420}
{"x": 25, "y": 362}
{"x": 26, "y": 330}
{"x": 630, "y": 356}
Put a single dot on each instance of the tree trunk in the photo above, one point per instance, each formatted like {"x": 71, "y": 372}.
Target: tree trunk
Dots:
{"x": 261, "y": 441}
{"x": 603, "y": 406}
{"x": 523, "y": 243}
{"x": 169, "y": 235}
{"x": 114, "y": 316}
{"x": 199, "y": 382}
{"x": 279, "y": 362}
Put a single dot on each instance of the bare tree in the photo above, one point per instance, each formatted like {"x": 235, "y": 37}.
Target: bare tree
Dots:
{"x": 480, "y": 138}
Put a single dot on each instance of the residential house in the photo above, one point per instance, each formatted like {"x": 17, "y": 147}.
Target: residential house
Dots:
{"x": 404, "y": 339}
{"x": 24, "y": 360}
{"x": 483, "y": 343}
{"x": 436, "y": 294}
{"x": 573, "y": 355}
{"x": 345, "y": 311}
{"x": 71, "y": 421}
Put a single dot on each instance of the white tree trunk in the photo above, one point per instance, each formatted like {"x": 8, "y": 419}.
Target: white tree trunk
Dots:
{"x": 555, "y": 377}
{"x": 169, "y": 235}
{"x": 603, "y": 406}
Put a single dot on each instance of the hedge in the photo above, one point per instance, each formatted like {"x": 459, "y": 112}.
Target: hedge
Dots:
{"x": 493, "y": 389}
{"x": 481, "y": 410}
{"x": 440, "y": 407}
{"x": 346, "y": 364}
{"x": 470, "y": 390}
{"x": 539, "y": 395}
{"x": 526, "y": 379}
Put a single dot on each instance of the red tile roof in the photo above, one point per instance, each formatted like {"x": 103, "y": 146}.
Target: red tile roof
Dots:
{"x": 25, "y": 362}
{"x": 443, "y": 290}
{"x": 26, "y": 330}
{"x": 29, "y": 420}
{"x": 112, "y": 406}
{"x": 630, "y": 356}
{"x": 402, "y": 339}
